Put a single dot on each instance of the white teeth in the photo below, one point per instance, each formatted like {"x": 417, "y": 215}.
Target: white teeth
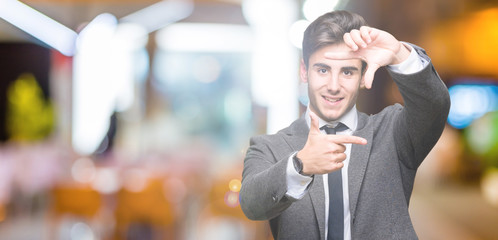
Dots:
{"x": 332, "y": 100}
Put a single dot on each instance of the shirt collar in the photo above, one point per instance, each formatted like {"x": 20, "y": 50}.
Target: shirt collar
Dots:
{"x": 350, "y": 119}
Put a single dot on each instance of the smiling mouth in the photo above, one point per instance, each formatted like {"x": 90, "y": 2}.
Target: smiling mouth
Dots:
{"x": 332, "y": 100}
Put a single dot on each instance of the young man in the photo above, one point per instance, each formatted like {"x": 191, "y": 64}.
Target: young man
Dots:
{"x": 355, "y": 183}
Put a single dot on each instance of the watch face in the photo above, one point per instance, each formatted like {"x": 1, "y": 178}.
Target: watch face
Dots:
{"x": 298, "y": 165}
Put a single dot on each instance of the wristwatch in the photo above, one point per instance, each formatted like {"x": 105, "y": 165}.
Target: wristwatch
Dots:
{"x": 298, "y": 164}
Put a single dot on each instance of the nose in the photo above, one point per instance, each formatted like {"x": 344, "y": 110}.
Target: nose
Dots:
{"x": 334, "y": 85}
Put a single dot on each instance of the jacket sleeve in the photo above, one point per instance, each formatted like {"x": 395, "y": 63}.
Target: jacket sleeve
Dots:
{"x": 264, "y": 186}
{"x": 421, "y": 122}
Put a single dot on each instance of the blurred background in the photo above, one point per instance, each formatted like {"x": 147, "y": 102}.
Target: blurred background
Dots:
{"x": 129, "y": 119}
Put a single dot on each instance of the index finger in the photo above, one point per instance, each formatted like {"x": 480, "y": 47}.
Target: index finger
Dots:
{"x": 365, "y": 33}
{"x": 343, "y": 139}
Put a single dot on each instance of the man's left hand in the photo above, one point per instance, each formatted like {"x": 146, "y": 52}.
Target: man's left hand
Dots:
{"x": 376, "y": 47}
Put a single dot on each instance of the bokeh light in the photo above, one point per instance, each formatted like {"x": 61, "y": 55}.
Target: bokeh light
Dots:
{"x": 106, "y": 181}
{"x": 81, "y": 231}
{"x": 83, "y": 170}
{"x": 135, "y": 179}
{"x": 489, "y": 186}
{"x": 296, "y": 32}
{"x": 312, "y": 9}
{"x": 471, "y": 101}
{"x": 232, "y": 199}
{"x": 482, "y": 137}
{"x": 235, "y": 185}
{"x": 481, "y": 134}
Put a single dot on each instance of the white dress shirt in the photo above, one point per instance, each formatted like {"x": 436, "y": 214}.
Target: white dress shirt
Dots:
{"x": 297, "y": 184}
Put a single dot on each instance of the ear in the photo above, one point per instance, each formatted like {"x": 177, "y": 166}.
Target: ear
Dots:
{"x": 303, "y": 72}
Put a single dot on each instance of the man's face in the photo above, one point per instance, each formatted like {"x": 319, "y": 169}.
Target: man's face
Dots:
{"x": 333, "y": 85}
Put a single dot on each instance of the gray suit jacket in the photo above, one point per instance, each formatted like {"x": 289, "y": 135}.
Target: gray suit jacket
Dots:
{"x": 381, "y": 173}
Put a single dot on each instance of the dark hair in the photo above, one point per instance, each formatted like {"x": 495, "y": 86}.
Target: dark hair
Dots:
{"x": 329, "y": 29}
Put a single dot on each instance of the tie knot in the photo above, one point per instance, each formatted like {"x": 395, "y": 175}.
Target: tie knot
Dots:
{"x": 333, "y": 130}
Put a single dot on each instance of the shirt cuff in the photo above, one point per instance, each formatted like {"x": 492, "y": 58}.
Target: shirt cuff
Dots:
{"x": 412, "y": 64}
{"x": 297, "y": 184}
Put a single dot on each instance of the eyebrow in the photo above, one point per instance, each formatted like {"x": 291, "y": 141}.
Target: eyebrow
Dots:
{"x": 322, "y": 65}
{"x": 349, "y": 68}
{"x": 346, "y": 68}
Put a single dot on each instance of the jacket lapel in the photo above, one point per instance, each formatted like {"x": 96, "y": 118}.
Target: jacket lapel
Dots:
{"x": 296, "y": 137}
{"x": 317, "y": 196}
{"x": 358, "y": 161}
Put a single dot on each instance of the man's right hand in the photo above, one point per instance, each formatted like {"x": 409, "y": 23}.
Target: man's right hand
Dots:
{"x": 324, "y": 153}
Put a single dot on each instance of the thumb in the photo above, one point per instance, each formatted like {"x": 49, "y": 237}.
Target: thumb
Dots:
{"x": 314, "y": 124}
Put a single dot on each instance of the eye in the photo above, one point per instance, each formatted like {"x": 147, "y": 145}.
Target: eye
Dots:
{"x": 322, "y": 70}
{"x": 348, "y": 73}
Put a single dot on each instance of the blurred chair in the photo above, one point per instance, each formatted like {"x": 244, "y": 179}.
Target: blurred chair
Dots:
{"x": 77, "y": 200}
{"x": 222, "y": 217}
{"x": 144, "y": 214}
{"x": 73, "y": 201}
{"x": 3, "y": 212}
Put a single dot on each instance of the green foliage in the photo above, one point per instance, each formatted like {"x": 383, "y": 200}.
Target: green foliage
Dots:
{"x": 29, "y": 116}
{"x": 482, "y": 138}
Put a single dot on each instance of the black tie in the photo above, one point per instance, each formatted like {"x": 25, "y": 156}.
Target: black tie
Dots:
{"x": 336, "y": 205}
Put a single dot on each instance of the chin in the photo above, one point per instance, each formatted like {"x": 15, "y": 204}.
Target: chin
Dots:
{"x": 334, "y": 116}
{"x": 331, "y": 117}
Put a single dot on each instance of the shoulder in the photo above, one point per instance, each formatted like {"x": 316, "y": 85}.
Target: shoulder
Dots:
{"x": 384, "y": 117}
{"x": 286, "y": 140}
{"x": 296, "y": 128}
